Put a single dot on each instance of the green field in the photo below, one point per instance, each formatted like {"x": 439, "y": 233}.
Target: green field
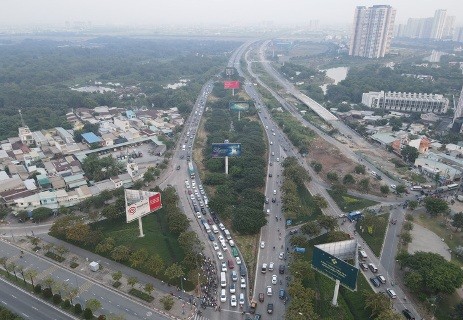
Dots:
{"x": 307, "y": 201}
{"x": 348, "y": 203}
{"x": 374, "y": 230}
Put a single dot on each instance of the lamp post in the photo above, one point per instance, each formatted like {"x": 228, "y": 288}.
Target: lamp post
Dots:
{"x": 181, "y": 282}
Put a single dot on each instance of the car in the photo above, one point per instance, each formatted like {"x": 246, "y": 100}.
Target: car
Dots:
{"x": 238, "y": 260}
{"x": 391, "y": 293}
{"x": 192, "y": 196}
{"x": 224, "y": 245}
{"x": 408, "y": 314}
{"x": 261, "y": 297}
{"x": 262, "y": 244}
{"x": 363, "y": 266}
{"x": 243, "y": 283}
{"x": 291, "y": 232}
{"x": 381, "y": 278}
{"x": 270, "y": 175}
{"x": 375, "y": 282}
{"x": 270, "y": 266}
{"x": 372, "y": 267}
{"x": 267, "y": 211}
{"x": 273, "y": 133}
{"x": 393, "y": 186}
{"x": 178, "y": 168}
{"x": 264, "y": 268}
{"x": 198, "y": 215}
{"x": 232, "y": 288}
{"x": 270, "y": 308}
{"x": 231, "y": 265}
{"x": 274, "y": 279}
{"x": 220, "y": 255}
{"x": 278, "y": 159}
{"x": 210, "y": 236}
{"x": 266, "y": 200}
{"x": 221, "y": 238}
{"x": 224, "y": 266}
{"x": 231, "y": 243}
{"x": 221, "y": 226}
{"x": 233, "y": 300}
{"x": 269, "y": 291}
{"x": 210, "y": 221}
{"x": 281, "y": 269}
{"x": 282, "y": 294}
{"x": 274, "y": 200}
{"x": 215, "y": 246}
{"x": 234, "y": 276}
{"x": 274, "y": 192}
{"x": 252, "y": 308}
{"x": 281, "y": 255}
{"x": 223, "y": 296}
{"x": 271, "y": 142}
{"x": 241, "y": 299}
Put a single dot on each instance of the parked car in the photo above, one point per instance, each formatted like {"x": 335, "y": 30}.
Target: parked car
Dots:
{"x": 261, "y": 297}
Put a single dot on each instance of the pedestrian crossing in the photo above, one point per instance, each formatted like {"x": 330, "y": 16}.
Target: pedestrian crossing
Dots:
{"x": 198, "y": 317}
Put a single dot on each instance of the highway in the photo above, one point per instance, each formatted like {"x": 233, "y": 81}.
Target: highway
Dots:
{"x": 28, "y": 306}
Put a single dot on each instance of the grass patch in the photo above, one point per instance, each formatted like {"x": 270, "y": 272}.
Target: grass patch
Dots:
{"x": 74, "y": 265}
{"x": 54, "y": 256}
{"x": 247, "y": 245}
{"x": 372, "y": 228}
{"x": 351, "y": 304}
{"x": 348, "y": 203}
{"x": 308, "y": 202}
{"x": 117, "y": 284}
{"x": 141, "y": 295}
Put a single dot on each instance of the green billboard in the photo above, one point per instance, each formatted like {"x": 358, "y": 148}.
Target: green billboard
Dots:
{"x": 239, "y": 106}
{"x": 335, "y": 268}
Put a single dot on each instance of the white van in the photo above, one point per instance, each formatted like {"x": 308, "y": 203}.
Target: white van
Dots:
{"x": 223, "y": 280}
{"x": 391, "y": 293}
{"x": 363, "y": 255}
{"x": 215, "y": 229}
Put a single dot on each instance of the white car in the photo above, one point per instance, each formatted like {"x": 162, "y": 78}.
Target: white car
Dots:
{"x": 273, "y": 133}
{"x": 220, "y": 255}
{"x": 271, "y": 142}
{"x": 231, "y": 243}
{"x": 243, "y": 283}
{"x": 393, "y": 186}
{"x": 215, "y": 246}
{"x": 192, "y": 196}
{"x": 281, "y": 256}
{"x": 224, "y": 266}
{"x": 262, "y": 244}
{"x": 238, "y": 260}
{"x": 223, "y": 296}
{"x": 198, "y": 215}
{"x": 270, "y": 266}
{"x": 241, "y": 301}
{"x": 221, "y": 226}
{"x": 274, "y": 279}
{"x": 232, "y": 288}
{"x": 233, "y": 300}
{"x": 224, "y": 245}
{"x": 269, "y": 291}
{"x": 221, "y": 238}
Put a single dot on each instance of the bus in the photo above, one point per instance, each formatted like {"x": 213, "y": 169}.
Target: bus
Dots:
{"x": 234, "y": 252}
{"x": 452, "y": 186}
{"x": 363, "y": 255}
{"x": 354, "y": 215}
{"x": 223, "y": 280}
{"x": 191, "y": 170}
{"x": 416, "y": 188}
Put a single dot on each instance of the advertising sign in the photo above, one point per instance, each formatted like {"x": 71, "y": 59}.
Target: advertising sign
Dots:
{"x": 229, "y": 71}
{"x": 231, "y": 84}
{"x": 139, "y": 203}
{"x": 335, "y": 268}
{"x": 221, "y": 150}
{"x": 238, "y": 105}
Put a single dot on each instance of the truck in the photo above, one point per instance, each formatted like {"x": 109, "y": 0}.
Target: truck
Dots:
{"x": 227, "y": 234}
{"x": 253, "y": 307}
{"x": 207, "y": 227}
{"x": 460, "y": 198}
{"x": 354, "y": 216}
{"x": 191, "y": 170}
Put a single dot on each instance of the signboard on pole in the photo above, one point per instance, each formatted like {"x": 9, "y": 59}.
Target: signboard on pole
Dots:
{"x": 229, "y": 71}
{"x": 231, "y": 84}
{"x": 221, "y": 150}
{"x": 139, "y": 203}
{"x": 238, "y": 105}
{"x": 335, "y": 268}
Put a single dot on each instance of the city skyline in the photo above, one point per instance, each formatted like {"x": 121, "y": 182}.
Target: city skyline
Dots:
{"x": 206, "y": 12}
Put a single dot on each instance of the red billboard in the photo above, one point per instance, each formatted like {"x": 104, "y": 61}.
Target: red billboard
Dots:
{"x": 155, "y": 202}
{"x": 231, "y": 84}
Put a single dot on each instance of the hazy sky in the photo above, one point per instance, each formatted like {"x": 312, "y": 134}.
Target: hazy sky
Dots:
{"x": 156, "y": 12}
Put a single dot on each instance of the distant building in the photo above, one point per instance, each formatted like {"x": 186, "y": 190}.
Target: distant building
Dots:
{"x": 25, "y": 135}
{"x": 406, "y": 102}
{"x": 440, "y": 26}
{"x": 90, "y": 137}
{"x": 372, "y": 31}
{"x": 459, "y": 110}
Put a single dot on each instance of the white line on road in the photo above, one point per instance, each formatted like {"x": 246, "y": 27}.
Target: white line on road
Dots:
{"x": 14, "y": 296}
{"x": 4, "y": 303}
{"x": 25, "y": 315}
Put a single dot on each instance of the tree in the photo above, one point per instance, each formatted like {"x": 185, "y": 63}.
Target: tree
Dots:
{"x": 435, "y": 206}
{"x": 120, "y": 253}
{"x": 414, "y": 281}
{"x": 149, "y": 288}
{"x": 72, "y": 293}
{"x": 311, "y": 228}
{"x": 174, "y": 271}
{"x": 35, "y": 241}
{"x": 11, "y": 267}
{"x": 348, "y": 179}
{"x": 298, "y": 240}
{"x": 31, "y": 273}
{"x": 359, "y": 169}
{"x": 409, "y": 154}
{"x": 317, "y": 166}
{"x": 301, "y": 269}
{"x": 376, "y": 303}
{"x": 106, "y": 245}
{"x": 327, "y": 222}
{"x": 93, "y": 304}
{"x": 406, "y": 237}
{"x": 77, "y": 308}
{"x": 41, "y": 213}
{"x": 332, "y": 176}
{"x": 78, "y": 232}
{"x": 334, "y": 236}
{"x": 320, "y": 201}
{"x": 339, "y": 189}
{"x": 457, "y": 221}
{"x": 408, "y": 226}
{"x": 49, "y": 282}
{"x": 88, "y": 314}
{"x": 412, "y": 204}
{"x": 138, "y": 257}
{"x": 400, "y": 188}
{"x": 116, "y": 275}
{"x": 167, "y": 301}
{"x": 155, "y": 264}
{"x": 132, "y": 281}
{"x": 62, "y": 250}
{"x": 384, "y": 189}
{"x": 364, "y": 184}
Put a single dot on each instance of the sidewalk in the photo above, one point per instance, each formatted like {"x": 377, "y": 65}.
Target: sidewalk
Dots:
{"x": 104, "y": 278}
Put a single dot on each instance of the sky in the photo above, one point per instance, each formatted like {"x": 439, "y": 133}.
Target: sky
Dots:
{"x": 188, "y": 12}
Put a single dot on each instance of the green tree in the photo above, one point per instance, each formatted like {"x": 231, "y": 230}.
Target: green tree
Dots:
{"x": 106, "y": 245}
{"x": 327, "y": 222}
{"x": 132, "y": 281}
{"x": 298, "y": 240}
{"x": 364, "y": 184}
{"x": 406, "y": 237}
{"x": 317, "y": 166}
{"x": 120, "y": 253}
{"x": 408, "y": 226}
{"x": 457, "y": 220}
{"x": 384, "y": 189}
{"x": 409, "y": 154}
{"x": 88, "y": 314}
{"x": 174, "y": 271}
{"x": 149, "y": 288}
{"x": 320, "y": 201}
{"x": 42, "y": 213}
{"x": 334, "y": 236}
{"x": 400, "y": 188}
{"x": 348, "y": 179}
{"x": 311, "y": 228}
{"x": 359, "y": 169}
{"x": 332, "y": 176}
{"x": 154, "y": 264}
{"x": 31, "y": 273}
{"x": 93, "y": 304}
{"x": 116, "y": 275}
{"x": 414, "y": 281}
{"x": 138, "y": 257}
{"x": 167, "y": 302}
{"x": 62, "y": 250}
{"x": 435, "y": 206}
{"x": 412, "y": 204}
{"x": 376, "y": 303}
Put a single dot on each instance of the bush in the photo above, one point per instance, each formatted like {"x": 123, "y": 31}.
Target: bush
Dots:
{"x": 47, "y": 293}
{"x": 101, "y": 317}
{"x": 167, "y": 301}
{"x": 57, "y": 298}
{"x": 38, "y": 288}
{"x": 77, "y": 308}
{"x": 117, "y": 284}
{"x": 54, "y": 256}
{"x": 66, "y": 304}
{"x": 88, "y": 314}
{"x": 74, "y": 265}
{"x": 142, "y": 295}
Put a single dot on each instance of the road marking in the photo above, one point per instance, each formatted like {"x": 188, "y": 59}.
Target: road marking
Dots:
{"x": 4, "y": 303}
{"x": 25, "y": 315}
{"x": 14, "y": 296}
{"x": 34, "y": 308}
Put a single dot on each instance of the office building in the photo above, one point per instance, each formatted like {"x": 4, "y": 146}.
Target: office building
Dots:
{"x": 441, "y": 26}
{"x": 406, "y": 102}
{"x": 459, "y": 109}
{"x": 372, "y": 31}
{"x": 438, "y": 24}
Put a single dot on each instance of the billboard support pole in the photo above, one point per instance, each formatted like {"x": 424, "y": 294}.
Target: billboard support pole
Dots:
{"x": 239, "y": 115}
{"x": 233, "y": 92}
{"x": 334, "y": 302}
{"x": 140, "y": 226}
{"x": 226, "y": 165}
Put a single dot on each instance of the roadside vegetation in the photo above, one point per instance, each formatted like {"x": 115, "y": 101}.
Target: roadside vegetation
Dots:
{"x": 347, "y": 202}
{"x": 372, "y": 228}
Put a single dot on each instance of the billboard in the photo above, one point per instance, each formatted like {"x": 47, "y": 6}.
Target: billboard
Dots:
{"x": 220, "y": 150}
{"x": 229, "y": 71}
{"x": 238, "y": 105}
{"x": 335, "y": 268}
{"x": 139, "y": 203}
{"x": 231, "y": 84}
